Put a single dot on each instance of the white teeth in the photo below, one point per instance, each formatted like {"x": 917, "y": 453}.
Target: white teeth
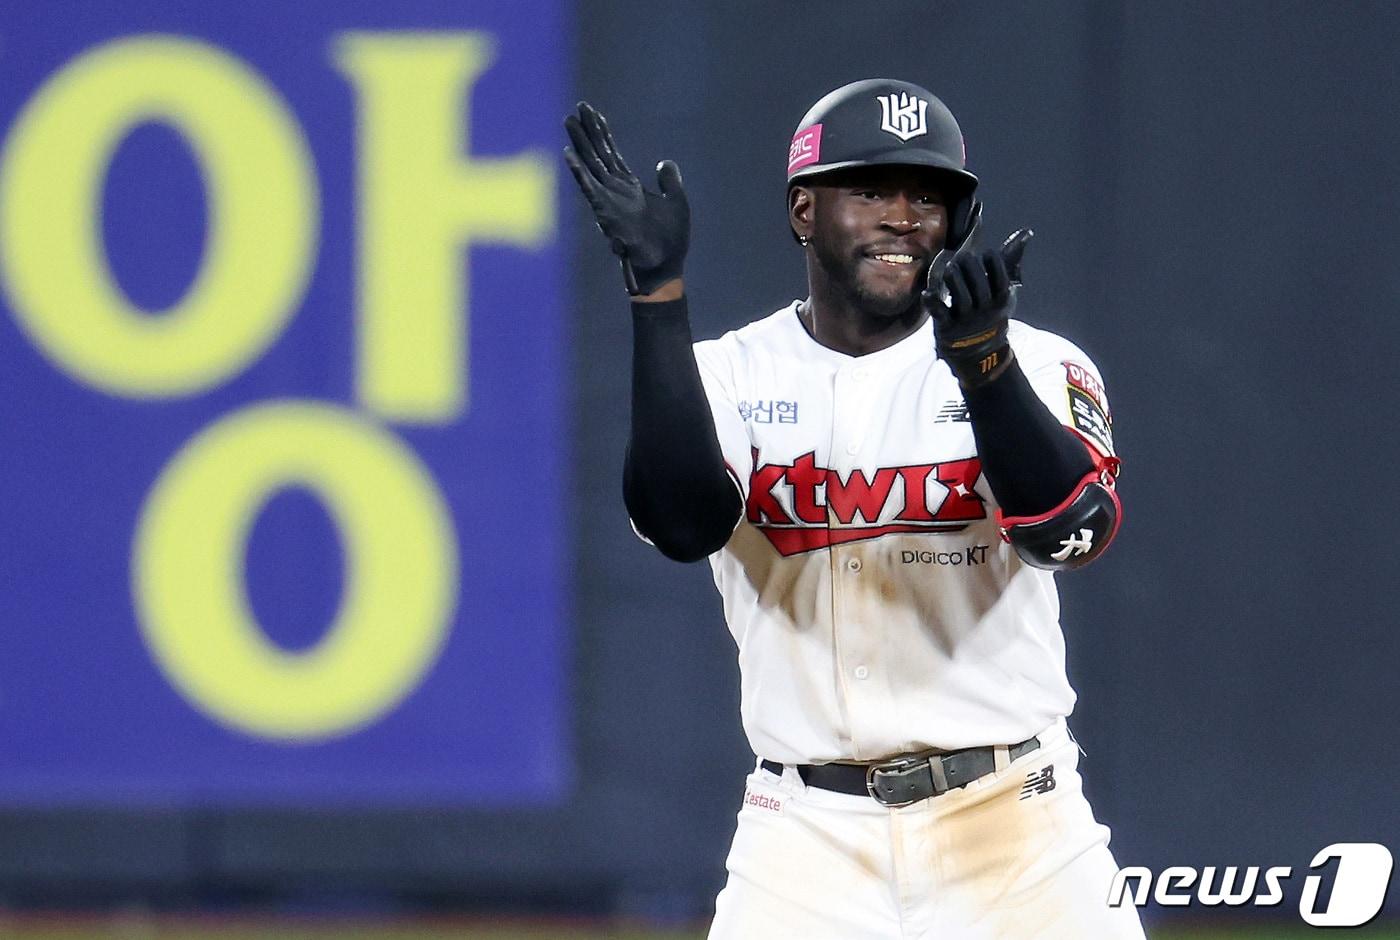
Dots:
{"x": 896, "y": 259}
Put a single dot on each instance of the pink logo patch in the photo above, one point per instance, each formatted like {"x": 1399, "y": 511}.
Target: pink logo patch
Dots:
{"x": 806, "y": 148}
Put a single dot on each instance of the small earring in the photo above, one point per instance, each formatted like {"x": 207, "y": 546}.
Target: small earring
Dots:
{"x": 803, "y": 240}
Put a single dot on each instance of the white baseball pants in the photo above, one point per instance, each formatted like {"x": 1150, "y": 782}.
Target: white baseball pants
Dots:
{"x": 1008, "y": 857}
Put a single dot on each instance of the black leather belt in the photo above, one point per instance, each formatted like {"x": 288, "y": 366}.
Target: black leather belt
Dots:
{"x": 906, "y": 780}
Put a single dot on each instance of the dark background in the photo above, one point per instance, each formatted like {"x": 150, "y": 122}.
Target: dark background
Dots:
{"x": 1214, "y": 192}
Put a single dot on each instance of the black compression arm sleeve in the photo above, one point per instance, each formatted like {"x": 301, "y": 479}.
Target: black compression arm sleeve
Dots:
{"x": 1031, "y": 461}
{"x": 674, "y": 482}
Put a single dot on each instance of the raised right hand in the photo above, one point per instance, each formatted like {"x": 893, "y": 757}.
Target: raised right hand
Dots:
{"x": 649, "y": 231}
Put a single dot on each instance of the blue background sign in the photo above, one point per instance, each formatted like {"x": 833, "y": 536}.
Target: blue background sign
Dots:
{"x": 281, "y": 371}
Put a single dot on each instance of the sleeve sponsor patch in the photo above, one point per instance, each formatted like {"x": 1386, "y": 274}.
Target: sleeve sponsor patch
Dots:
{"x": 1090, "y": 420}
{"x": 1081, "y": 378}
{"x": 1088, "y": 406}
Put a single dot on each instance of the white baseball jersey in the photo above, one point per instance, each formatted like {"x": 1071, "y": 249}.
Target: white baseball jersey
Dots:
{"x": 875, "y": 607}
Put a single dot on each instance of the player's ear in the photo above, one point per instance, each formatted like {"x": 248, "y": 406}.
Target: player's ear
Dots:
{"x": 800, "y": 211}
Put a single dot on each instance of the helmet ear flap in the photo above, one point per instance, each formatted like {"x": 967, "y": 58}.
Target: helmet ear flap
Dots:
{"x": 963, "y": 218}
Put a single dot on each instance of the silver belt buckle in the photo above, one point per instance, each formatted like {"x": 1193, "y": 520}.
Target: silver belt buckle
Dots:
{"x": 893, "y": 766}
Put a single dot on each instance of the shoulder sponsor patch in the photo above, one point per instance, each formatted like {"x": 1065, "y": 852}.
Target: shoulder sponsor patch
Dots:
{"x": 1089, "y": 419}
{"x": 1088, "y": 406}
{"x": 1081, "y": 378}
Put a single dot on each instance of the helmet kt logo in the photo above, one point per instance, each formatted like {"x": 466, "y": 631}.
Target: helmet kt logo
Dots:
{"x": 903, "y": 115}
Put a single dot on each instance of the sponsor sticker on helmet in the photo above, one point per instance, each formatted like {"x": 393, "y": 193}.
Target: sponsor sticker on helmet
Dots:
{"x": 806, "y": 148}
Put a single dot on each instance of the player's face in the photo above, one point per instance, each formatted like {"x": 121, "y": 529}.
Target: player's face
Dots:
{"x": 875, "y": 231}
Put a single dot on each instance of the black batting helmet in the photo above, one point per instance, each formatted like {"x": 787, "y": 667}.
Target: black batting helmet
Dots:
{"x": 883, "y": 121}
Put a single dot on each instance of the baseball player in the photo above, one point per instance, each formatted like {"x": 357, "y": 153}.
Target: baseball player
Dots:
{"x": 885, "y": 477}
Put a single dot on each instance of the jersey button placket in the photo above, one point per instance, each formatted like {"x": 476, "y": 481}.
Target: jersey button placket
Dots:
{"x": 852, "y": 634}
{"x": 859, "y": 376}
{"x": 843, "y": 425}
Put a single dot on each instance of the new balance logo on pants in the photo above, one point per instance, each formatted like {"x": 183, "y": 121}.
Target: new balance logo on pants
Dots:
{"x": 1038, "y": 781}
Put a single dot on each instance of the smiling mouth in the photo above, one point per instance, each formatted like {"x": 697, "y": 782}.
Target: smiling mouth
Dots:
{"x": 893, "y": 259}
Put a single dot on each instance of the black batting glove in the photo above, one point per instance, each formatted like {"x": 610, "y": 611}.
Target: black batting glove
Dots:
{"x": 970, "y": 296}
{"x": 649, "y": 231}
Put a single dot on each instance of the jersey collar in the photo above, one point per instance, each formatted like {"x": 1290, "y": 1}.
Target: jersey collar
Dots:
{"x": 914, "y": 346}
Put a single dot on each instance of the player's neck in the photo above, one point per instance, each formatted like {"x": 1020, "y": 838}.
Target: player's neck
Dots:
{"x": 833, "y": 321}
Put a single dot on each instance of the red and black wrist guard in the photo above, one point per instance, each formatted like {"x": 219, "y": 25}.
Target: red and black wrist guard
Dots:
{"x": 1076, "y": 531}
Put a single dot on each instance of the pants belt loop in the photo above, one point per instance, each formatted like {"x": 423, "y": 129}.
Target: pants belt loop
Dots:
{"x": 1001, "y": 757}
{"x": 793, "y": 777}
{"x": 940, "y": 778}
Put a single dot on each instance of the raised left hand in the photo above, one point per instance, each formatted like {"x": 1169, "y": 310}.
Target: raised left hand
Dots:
{"x": 970, "y": 296}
